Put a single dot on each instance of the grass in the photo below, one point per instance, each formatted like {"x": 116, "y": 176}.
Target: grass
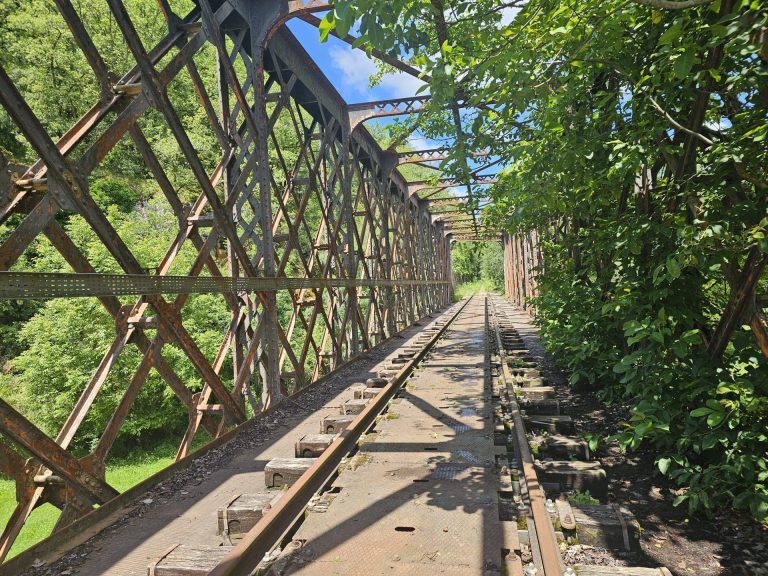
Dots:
{"x": 38, "y": 526}
{"x": 582, "y": 498}
{"x": 467, "y": 289}
{"x": 122, "y": 474}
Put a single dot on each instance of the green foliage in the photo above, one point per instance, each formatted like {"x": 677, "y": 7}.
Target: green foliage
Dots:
{"x": 634, "y": 144}
{"x": 64, "y": 341}
{"x": 579, "y": 497}
{"x": 465, "y": 261}
{"x": 477, "y": 267}
{"x": 492, "y": 263}
{"x": 13, "y": 315}
{"x": 472, "y": 261}
{"x": 112, "y": 192}
{"x": 50, "y": 350}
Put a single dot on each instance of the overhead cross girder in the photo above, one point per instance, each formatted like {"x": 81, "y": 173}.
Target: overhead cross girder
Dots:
{"x": 458, "y": 209}
{"x": 437, "y": 188}
{"x": 362, "y": 111}
{"x": 477, "y": 238}
{"x": 330, "y": 211}
{"x": 418, "y": 156}
{"x": 454, "y": 200}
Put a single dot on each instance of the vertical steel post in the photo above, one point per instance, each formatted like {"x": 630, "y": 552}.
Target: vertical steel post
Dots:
{"x": 229, "y": 176}
{"x": 348, "y": 218}
{"x": 271, "y": 393}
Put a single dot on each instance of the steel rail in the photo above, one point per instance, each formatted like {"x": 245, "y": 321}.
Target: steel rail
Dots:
{"x": 44, "y": 285}
{"x": 551, "y": 562}
{"x": 268, "y": 532}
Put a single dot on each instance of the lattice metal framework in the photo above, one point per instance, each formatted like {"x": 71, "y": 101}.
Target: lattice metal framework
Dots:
{"x": 253, "y": 206}
{"x": 522, "y": 261}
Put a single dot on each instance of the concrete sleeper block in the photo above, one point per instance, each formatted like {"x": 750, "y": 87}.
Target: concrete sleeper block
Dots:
{"x": 354, "y": 406}
{"x": 335, "y": 423}
{"x": 285, "y": 471}
{"x": 242, "y": 513}
{"x": 313, "y": 445}
{"x": 575, "y": 475}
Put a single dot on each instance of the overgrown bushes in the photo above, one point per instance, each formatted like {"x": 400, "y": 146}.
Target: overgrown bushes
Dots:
{"x": 634, "y": 139}
{"x": 643, "y": 341}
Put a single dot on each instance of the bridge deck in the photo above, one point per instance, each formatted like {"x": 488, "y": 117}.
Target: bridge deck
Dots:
{"x": 420, "y": 497}
{"x": 184, "y": 510}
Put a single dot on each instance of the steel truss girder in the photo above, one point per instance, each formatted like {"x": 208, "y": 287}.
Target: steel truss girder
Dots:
{"x": 362, "y": 111}
{"x": 448, "y": 200}
{"x": 370, "y": 229}
{"x": 472, "y": 238}
{"x": 414, "y": 188}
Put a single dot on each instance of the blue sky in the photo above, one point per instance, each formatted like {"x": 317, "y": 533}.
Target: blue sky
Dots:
{"x": 349, "y": 69}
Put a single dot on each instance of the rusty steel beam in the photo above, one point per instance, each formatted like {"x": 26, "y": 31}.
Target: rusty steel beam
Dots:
{"x": 362, "y": 111}
{"x": 418, "y": 156}
{"x": 469, "y": 238}
{"x": 430, "y": 155}
{"x": 464, "y": 218}
{"x": 454, "y": 201}
{"x": 413, "y": 189}
{"x": 380, "y": 258}
{"x": 43, "y": 285}
{"x": 459, "y": 209}
{"x": 17, "y": 428}
{"x": 475, "y": 175}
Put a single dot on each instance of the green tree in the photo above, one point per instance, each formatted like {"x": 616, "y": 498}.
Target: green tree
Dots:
{"x": 633, "y": 135}
{"x": 65, "y": 340}
{"x": 465, "y": 261}
{"x": 473, "y": 261}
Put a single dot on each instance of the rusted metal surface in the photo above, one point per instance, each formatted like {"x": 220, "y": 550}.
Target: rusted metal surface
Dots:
{"x": 269, "y": 530}
{"x": 522, "y": 261}
{"x": 360, "y": 112}
{"x": 59, "y": 461}
{"x": 546, "y": 542}
{"x": 419, "y": 497}
{"x": 41, "y": 285}
{"x": 383, "y": 261}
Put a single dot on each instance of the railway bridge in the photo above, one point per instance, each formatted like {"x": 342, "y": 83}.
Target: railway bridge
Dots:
{"x": 334, "y": 269}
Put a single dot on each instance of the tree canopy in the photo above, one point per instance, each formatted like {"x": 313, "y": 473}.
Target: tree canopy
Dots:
{"x": 632, "y": 136}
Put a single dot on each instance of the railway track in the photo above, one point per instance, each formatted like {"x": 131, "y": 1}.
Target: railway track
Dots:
{"x": 552, "y": 462}
{"x": 451, "y": 457}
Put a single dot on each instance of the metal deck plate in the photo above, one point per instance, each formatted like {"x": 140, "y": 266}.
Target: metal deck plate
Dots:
{"x": 420, "y": 497}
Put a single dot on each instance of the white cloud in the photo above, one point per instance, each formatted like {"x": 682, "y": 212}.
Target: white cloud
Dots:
{"x": 508, "y": 14}
{"x": 401, "y": 84}
{"x": 419, "y": 143}
{"x": 356, "y": 68}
